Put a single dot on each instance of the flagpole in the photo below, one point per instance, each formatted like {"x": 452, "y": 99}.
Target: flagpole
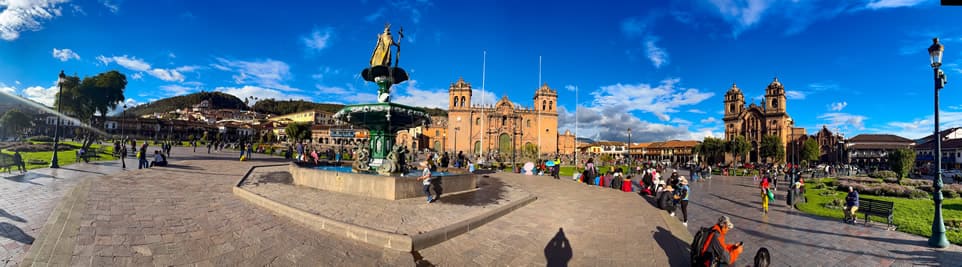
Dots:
{"x": 484, "y": 131}
{"x": 536, "y": 107}
{"x": 576, "y": 128}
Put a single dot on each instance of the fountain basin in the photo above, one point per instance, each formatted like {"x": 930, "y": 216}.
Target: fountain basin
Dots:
{"x": 341, "y": 180}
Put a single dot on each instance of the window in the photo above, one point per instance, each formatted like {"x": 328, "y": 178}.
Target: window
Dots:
{"x": 550, "y": 105}
{"x": 543, "y": 104}
{"x": 731, "y": 108}
{"x": 504, "y": 120}
{"x": 437, "y": 133}
{"x": 455, "y": 102}
{"x": 462, "y": 101}
{"x": 477, "y": 121}
{"x": 528, "y": 124}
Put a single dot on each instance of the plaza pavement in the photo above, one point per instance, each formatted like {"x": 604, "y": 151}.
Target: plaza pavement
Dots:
{"x": 185, "y": 214}
{"x": 798, "y": 239}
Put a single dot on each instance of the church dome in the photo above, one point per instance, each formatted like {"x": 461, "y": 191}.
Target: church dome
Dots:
{"x": 775, "y": 84}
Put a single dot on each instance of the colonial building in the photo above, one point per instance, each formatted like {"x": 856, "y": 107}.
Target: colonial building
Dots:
{"x": 951, "y": 149}
{"x": 503, "y": 127}
{"x": 871, "y": 151}
{"x": 755, "y": 121}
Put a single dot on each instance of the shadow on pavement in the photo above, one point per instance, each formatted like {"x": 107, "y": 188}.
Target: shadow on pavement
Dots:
{"x": 490, "y": 191}
{"x": 11, "y": 216}
{"x": 670, "y": 244}
{"x": 930, "y": 257}
{"x": 275, "y": 177}
{"x": 419, "y": 260}
{"x": 558, "y": 250}
{"x": 14, "y": 233}
{"x": 27, "y": 177}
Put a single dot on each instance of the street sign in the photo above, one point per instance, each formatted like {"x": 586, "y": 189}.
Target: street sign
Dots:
{"x": 342, "y": 133}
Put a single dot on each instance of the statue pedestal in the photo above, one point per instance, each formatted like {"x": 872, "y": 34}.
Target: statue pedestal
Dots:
{"x": 376, "y": 163}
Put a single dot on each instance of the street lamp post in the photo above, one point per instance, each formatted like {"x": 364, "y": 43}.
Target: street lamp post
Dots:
{"x": 629, "y": 150}
{"x": 938, "y": 226}
{"x": 56, "y": 132}
{"x": 122, "y": 153}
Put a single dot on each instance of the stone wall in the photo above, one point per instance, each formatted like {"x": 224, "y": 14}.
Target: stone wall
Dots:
{"x": 376, "y": 186}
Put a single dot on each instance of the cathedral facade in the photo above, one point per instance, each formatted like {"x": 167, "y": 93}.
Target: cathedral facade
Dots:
{"x": 504, "y": 127}
{"x": 757, "y": 120}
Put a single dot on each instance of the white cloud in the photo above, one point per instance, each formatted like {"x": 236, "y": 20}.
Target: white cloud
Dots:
{"x": 696, "y": 111}
{"x": 658, "y": 100}
{"x": 137, "y": 76}
{"x": 26, "y": 15}
{"x": 795, "y": 95}
{"x": 879, "y": 4}
{"x": 112, "y": 6}
{"x": 837, "y": 106}
{"x": 921, "y": 127}
{"x": 16, "y": 82}
{"x": 413, "y": 7}
{"x": 176, "y": 90}
{"x": 709, "y": 120}
{"x": 78, "y": 10}
{"x": 167, "y": 75}
{"x": 266, "y": 73}
{"x": 172, "y": 55}
{"x": 376, "y": 15}
{"x": 332, "y": 90}
{"x": 8, "y": 89}
{"x": 571, "y": 88}
{"x": 65, "y": 54}
{"x": 318, "y": 39}
{"x": 260, "y": 92}
{"x": 844, "y": 120}
{"x": 635, "y": 26}
{"x": 41, "y": 95}
{"x": 742, "y": 14}
{"x": 131, "y": 63}
{"x": 409, "y": 94}
{"x": 606, "y": 123}
{"x": 657, "y": 55}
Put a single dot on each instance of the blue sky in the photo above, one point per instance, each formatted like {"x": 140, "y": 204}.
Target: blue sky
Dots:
{"x": 659, "y": 68}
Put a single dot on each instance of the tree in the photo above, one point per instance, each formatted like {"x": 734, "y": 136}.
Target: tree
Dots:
{"x": 14, "y": 122}
{"x": 810, "y": 150}
{"x": 298, "y": 131}
{"x": 711, "y": 149}
{"x": 94, "y": 95}
{"x": 902, "y": 161}
{"x": 739, "y": 146}
{"x": 771, "y": 147}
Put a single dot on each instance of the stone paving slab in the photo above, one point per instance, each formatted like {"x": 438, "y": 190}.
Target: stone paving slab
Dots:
{"x": 26, "y": 201}
{"x": 799, "y": 239}
{"x": 186, "y": 214}
{"x": 406, "y": 216}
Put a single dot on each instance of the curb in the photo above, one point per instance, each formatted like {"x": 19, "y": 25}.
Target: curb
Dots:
{"x": 59, "y": 233}
{"x": 375, "y": 237}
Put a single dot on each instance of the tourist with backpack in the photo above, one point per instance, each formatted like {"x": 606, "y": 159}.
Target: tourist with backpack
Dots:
{"x": 682, "y": 198}
{"x": 708, "y": 248}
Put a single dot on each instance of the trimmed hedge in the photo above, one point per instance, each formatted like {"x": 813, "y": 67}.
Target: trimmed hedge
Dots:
{"x": 883, "y": 174}
{"x": 40, "y": 138}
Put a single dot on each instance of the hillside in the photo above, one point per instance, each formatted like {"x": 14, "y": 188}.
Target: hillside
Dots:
{"x": 217, "y": 100}
{"x": 221, "y": 100}
{"x": 291, "y": 106}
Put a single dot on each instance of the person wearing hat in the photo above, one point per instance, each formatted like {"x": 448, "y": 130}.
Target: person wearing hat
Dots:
{"x": 715, "y": 243}
{"x": 681, "y": 197}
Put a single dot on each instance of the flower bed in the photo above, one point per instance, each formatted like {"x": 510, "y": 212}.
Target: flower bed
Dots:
{"x": 910, "y": 188}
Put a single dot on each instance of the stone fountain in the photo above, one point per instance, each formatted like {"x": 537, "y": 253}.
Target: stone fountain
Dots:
{"x": 379, "y": 166}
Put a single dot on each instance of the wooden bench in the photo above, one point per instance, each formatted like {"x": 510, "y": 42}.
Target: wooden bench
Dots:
{"x": 877, "y": 208}
{"x": 6, "y": 163}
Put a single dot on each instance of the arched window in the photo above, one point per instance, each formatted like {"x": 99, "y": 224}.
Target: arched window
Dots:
{"x": 550, "y": 105}
{"x": 462, "y": 101}
{"x": 504, "y": 120}
{"x": 543, "y": 104}
{"x": 455, "y": 102}
{"x": 528, "y": 123}
{"x": 437, "y": 133}
{"x": 477, "y": 121}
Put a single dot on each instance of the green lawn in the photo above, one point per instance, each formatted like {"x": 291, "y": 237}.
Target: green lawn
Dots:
{"x": 912, "y": 216}
{"x": 66, "y": 154}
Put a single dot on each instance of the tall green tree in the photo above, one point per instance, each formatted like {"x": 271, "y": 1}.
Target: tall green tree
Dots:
{"x": 810, "y": 150}
{"x": 739, "y": 147}
{"x": 711, "y": 149}
{"x": 772, "y": 148}
{"x": 298, "y": 131}
{"x": 902, "y": 161}
{"x": 14, "y": 122}
{"x": 91, "y": 96}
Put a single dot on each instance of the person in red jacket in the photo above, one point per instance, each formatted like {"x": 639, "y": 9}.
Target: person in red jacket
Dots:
{"x": 626, "y": 184}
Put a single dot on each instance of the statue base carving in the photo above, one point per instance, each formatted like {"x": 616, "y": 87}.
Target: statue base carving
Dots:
{"x": 396, "y": 75}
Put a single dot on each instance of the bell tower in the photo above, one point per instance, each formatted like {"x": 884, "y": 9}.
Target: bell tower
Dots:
{"x": 460, "y": 95}
{"x": 546, "y": 100}
{"x": 775, "y": 97}
{"x": 734, "y": 102}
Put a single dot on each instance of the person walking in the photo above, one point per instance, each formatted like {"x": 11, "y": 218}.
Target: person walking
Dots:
{"x": 250, "y": 150}
{"x": 18, "y": 161}
{"x": 682, "y": 198}
{"x": 142, "y": 157}
{"x": 851, "y": 205}
{"x": 764, "y": 186}
{"x": 445, "y": 160}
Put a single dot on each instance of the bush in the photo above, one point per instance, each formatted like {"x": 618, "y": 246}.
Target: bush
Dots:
{"x": 949, "y": 193}
{"x": 918, "y": 194}
{"x": 882, "y": 174}
{"x": 40, "y": 138}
